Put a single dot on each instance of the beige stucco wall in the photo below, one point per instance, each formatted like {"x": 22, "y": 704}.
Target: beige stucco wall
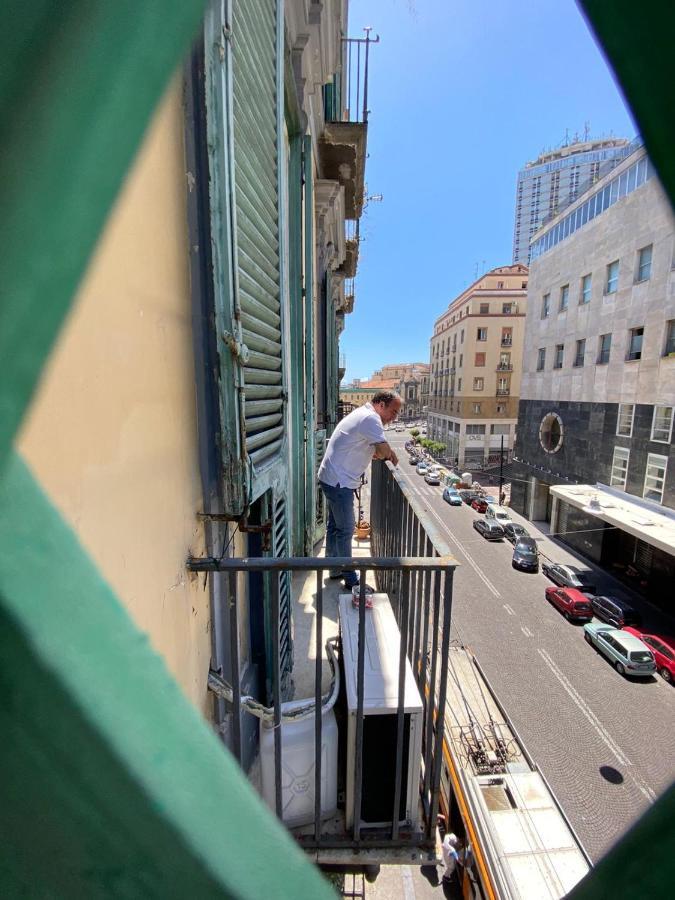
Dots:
{"x": 111, "y": 434}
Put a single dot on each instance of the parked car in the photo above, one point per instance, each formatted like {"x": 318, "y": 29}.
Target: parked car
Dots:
{"x": 491, "y": 531}
{"x": 433, "y": 476}
{"x": 566, "y": 576}
{"x": 452, "y": 496}
{"x": 479, "y": 504}
{"x": 525, "y": 555}
{"x": 498, "y": 514}
{"x": 414, "y": 460}
{"x": 513, "y": 532}
{"x": 627, "y": 653}
{"x": 468, "y": 496}
{"x": 615, "y": 612}
{"x": 663, "y": 649}
{"x": 571, "y": 603}
{"x": 422, "y": 468}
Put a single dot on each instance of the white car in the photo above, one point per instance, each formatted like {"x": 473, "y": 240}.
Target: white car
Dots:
{"x": 433, "y": 476}
{"x": 498, "y": 514}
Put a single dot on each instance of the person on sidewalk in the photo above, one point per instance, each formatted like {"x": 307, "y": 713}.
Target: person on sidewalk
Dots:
{"x": 357, "y": 439}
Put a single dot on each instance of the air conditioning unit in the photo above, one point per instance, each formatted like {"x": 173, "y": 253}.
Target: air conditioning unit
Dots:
{"x": 380, "y": 701}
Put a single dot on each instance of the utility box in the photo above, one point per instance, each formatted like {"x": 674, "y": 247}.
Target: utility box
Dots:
{"x": 380, "y": 703}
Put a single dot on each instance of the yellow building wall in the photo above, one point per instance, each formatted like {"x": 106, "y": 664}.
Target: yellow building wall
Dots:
{"x": 111, "y": 434}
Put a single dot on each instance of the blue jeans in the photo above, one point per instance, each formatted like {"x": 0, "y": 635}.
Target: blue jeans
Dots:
{"x": 341, "y": 525}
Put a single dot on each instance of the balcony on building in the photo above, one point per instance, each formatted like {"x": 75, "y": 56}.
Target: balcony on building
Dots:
{"x": 504, "y": 367}
{"x": 503, "y": 392}
{"x": 507, "y": 340}
{"x": 415, "y": 595}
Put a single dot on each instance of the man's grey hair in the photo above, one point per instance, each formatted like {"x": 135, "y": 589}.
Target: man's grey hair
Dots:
{"x": 385, "y": 397}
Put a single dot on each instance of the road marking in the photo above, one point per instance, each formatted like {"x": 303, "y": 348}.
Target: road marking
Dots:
{"x": 408, "y": 883}
{"x": 526, "y": 631}
{"x": 510, "y": 610}
{"x": 474, "y": 565}
{"x": 605, "y": 737}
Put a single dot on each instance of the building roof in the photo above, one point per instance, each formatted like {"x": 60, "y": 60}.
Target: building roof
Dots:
{"x": 379, "y": 384}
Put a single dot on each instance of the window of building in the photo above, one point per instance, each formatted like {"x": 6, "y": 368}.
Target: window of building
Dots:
{"x": 604, "y": 346}
{"x": 461, "y": 360}
{"x": 541, "y": 359}
{"x": 523, "y": 285}
{"x": 461, "y": 336}
{"x": 477, "y": 408}
{"x": 507, "y": 337}
{"x": 558, "y": 361}
{"x": 501, "y": 409}
{"x": 580, "y": 352}
{"x": 480, "y": 359}
{"x": 644, "y": 264}
{"x": 507, "y": 309}
{"x": 500, "y": 429}
{"x": 585, "y": 295}
{"x": 619, "y": 467}
{"x": 459, "y": 384}
{"x": 635, "y": 336}
{"x": 545, "y": 306}
{"x": 612, "y": 281}
{"x": 655, "y": 476}
{"x": 481, "y": 334}
{"x": 484, "y": 309}
{"x": 624, "y": 421}
{"x": 662, "y": 424}
{"x": 500, "y": 285}
{"x": 475, "y": 429}
{"x": 564, "y": 297}
{"x": 670, "y": 338}
{"x": 478, "y": 384}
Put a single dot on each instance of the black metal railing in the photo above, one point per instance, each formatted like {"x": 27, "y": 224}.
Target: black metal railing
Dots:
{"x": 412, "y": 563}
{"x": 354, "y": 88}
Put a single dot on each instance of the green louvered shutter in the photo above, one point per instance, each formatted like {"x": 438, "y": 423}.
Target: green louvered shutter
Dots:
{"x": 256, "y": 216}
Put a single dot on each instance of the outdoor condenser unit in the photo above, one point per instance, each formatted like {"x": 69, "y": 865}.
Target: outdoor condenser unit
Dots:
{"x": 380, "y": 699}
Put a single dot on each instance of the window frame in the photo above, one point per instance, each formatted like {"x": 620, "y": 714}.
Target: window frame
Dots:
{"x": 670, "y": 427}
{"x": 476, "y": 386}
{"x": 650, "y": 462}
{"x": 608, "y": 289}
{"x": 546, "y": 306}
{"x": 541, "y": 359}
{"x": 564, "y": 301}
{"x": 477, "y": 364}
{"x": 559, "y": 357}
{"x": 480, "y": 331}
{"x": 583, "y": 301}
{"x": 600, "y": 361}
{"x": 635, "y": 355}
{"x": 632, "y": 419}
{"x": 580, "y": 346}
{"x": 620, "y": 454}
{"x": 639, "y": 276}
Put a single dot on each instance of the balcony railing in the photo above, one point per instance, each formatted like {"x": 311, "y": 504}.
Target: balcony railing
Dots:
{"x": 413, "y": 565}
{"x": 503, "y": 392}
{"x": 504, "y": 367}
{"x": 507, "y": 341}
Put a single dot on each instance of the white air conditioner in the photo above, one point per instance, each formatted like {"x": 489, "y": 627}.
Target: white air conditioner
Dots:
{"x": 380, "y": 700}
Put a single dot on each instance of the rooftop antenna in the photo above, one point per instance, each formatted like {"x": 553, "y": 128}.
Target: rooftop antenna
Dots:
{"x": 587, "y": 130}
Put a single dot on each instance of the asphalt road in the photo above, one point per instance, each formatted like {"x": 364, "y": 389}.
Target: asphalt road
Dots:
{"x": 604, "y": 742}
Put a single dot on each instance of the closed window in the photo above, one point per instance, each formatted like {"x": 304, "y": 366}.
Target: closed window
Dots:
{"x": 580, "y": 352}
{"x": 655, "y": 476}
{"x": 500, "y": 429}
{"x": 644, "y": 264}
{"x": 480, "y": 359}
{"x": 635, "y": 336}
{"x": 545, "y": 306}
{"x": 624, "y": 420}
{"x": 585, "y": 295}
{"x": 475, "y": 429}
{"x": 619, "y": 467}
{"x": 461, "y": 360}
{"x": 662, "y": 424}
{"x": 484, "y": 309}
{"x": 459, "y": 384}
{"x": 478, "y": 384}
{"x": 604, "y": 347}
{"x": 559, "y": 351}
{"x": 541, "y": 359}
{"x": 612, "y": 281}
{"x": 461, "y": 336}
{"x": 564, "y": 297}
{"x": 670, "y": 339}
{"x": 481, "y": 334}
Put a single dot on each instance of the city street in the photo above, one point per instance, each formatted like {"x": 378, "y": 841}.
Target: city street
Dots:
{"x": 604, "y": 742}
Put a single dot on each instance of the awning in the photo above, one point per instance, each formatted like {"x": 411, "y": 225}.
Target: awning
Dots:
{"x": 631, "y": 514}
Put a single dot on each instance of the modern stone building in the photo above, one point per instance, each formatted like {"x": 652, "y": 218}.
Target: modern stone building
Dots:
{"x": 476, "y": 355}
{"x": 556, "y": 178}
{"x": 594, "y": 444}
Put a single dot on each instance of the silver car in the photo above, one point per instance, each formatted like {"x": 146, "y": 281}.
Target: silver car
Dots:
{"x": 627, "y": 653}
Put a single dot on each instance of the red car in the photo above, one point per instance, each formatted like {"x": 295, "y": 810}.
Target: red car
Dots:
{"x": 663, "y": 649}
{"x": 571, "y": 603}
{"x": 479, "y": 504}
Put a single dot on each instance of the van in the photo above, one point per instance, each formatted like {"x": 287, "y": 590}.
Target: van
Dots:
{"x": 497, "y": 514}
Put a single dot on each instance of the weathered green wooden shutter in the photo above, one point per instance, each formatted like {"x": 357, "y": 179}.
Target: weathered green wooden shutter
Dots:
{"x": 256, "y": 181}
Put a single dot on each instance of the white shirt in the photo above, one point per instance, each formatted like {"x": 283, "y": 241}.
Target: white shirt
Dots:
{"x": 450, "y": 854}
{"x": 351, "y": 447}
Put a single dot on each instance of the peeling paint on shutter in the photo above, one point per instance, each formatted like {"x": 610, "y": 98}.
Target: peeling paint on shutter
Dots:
{"x": 254, "y": 50}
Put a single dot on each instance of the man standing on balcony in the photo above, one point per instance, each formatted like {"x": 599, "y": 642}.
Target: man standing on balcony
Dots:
{"x": 357, "y": 439}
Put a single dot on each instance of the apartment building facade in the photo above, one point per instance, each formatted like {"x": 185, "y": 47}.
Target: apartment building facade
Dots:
{"x": 594, "y": 445}
{"x": 410, "y": 380}
{"x": 476, "y": 355}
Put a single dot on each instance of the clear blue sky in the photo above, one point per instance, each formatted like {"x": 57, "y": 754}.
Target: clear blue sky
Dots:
{"x": 462, "y": 94}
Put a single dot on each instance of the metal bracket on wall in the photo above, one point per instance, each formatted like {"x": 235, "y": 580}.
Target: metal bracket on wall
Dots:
{"x": 265, "y": 528}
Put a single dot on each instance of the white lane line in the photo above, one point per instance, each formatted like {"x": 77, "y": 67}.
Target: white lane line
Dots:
{"x": 510, "y": 610}
{"x": 474, "y": 565}
{"x": 408, "y": 883}
{"x": 526, "y": 631}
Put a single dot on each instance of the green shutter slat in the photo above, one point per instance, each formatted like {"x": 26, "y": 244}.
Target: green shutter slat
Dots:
{"x": 262, "y": 377}
{"x": 262, "y": 344}
{"x": 260, "y": 407}
{"x": 261, "y": 361}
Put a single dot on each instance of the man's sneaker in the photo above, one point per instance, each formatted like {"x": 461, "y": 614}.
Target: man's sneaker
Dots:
{"x": 356, "y": 596}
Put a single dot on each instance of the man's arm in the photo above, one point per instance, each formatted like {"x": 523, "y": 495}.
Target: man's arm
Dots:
{"x": 384, "y": 451}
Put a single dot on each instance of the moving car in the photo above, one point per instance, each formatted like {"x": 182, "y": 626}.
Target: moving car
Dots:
{"x": 513, "y": 532}
{"x": 615, "y": 612}
{"x": 526, "y": 555}
{"x": 422, "y": 468}
{"x": 491, "y": 531}
{"x": 479, "y": 504}
{"x": 566, "y": 576}
{"x": 663, "y": 649}
{"x": 571, "y": 603}
{"x": 452, "y": 496}
{"x": 433, "y": 476}
{"x": 625, "y": 651}
{"x": 498, "y": 514}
